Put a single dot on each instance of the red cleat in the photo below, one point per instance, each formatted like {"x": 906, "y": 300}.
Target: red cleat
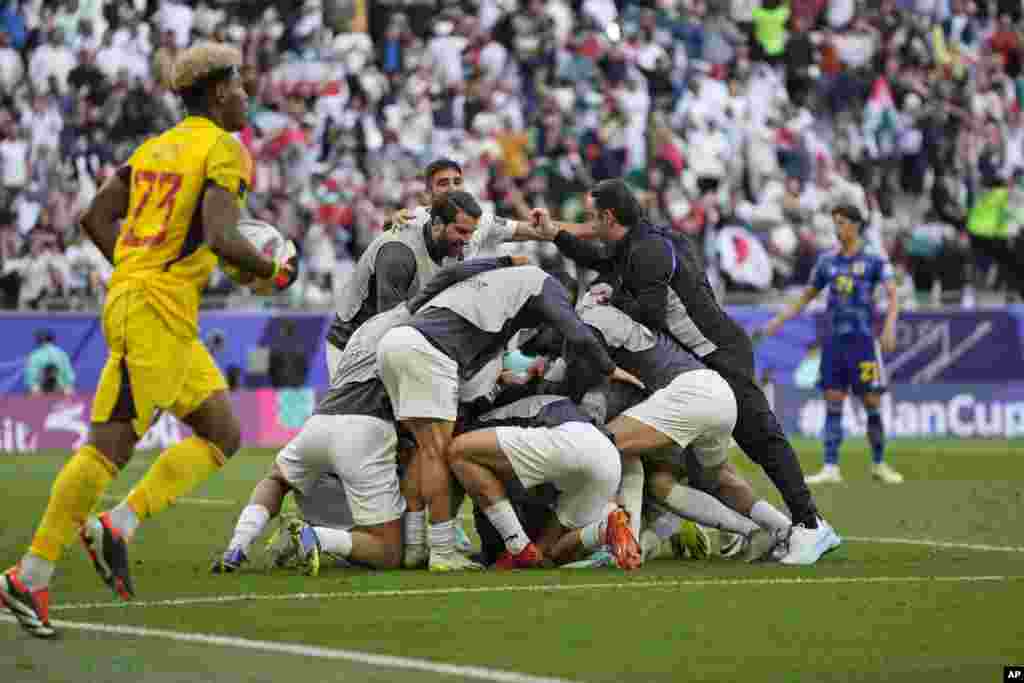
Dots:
{"x": 529, "y": 557}
{"x": 620, "y": 538}
{"x": 32, "y": 609}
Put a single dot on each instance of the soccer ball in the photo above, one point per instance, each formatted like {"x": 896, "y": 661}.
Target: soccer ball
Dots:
{"x": 269, "y": 241}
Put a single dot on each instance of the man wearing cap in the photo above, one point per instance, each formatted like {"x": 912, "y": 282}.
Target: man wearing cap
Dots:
{"x": 851, "y": 356}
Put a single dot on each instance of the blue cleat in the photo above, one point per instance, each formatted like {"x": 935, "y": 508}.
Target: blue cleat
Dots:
{"x": 307, "y": 545}
{"x": 231, "y": 561}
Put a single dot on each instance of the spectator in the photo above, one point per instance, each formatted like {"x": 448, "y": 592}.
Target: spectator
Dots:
{"x": 48, "y": 368}
{"x": 288, "y": 364}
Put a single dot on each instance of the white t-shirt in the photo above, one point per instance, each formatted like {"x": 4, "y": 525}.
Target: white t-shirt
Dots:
{"x": 14, "y": 162}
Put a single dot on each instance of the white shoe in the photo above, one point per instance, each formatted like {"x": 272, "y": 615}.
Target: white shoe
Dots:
{"x": 886, "y": 474}
{"x": 829, "y": 475}
{"x": 806, "y": 546}
{"x": 415, "y": 556}
{"x": 452, "y": 562}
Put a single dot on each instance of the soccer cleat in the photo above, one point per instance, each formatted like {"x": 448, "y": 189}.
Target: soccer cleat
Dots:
{"x": 885, "y": 474}
{"x": 31, "y": 608}
{"x": 452, "y": 562}
{"x": 109, "y": 554}
{"x": 462, "y": 542}
{"x": 730, "y": 544}
{"x": 229, "y": 562}
{"x": 691, "y": 542}
{"x": 415, "y": 556}
{"x": 620, "y": 537}
{"x": 280, "y": 547}
{"x": 307, "y": 545}
{"x": 806, "y": 546}
{"x": 598, "y": 559}
{"x": 529, "y": 557}
{"x": 829, "y": 474}
{"x": 758, "y": 545}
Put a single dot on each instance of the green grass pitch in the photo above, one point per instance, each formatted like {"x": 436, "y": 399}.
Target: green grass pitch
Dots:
{"x": 928, "y": 586}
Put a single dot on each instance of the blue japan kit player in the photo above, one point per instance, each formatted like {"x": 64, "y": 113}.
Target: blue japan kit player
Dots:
{"x": 851, "y": 355}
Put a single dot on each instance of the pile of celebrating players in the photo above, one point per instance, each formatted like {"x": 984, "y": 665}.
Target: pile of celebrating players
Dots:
{"x": 586, "y": 434}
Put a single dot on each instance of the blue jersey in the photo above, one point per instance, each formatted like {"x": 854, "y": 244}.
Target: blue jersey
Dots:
{"x": 851, "y": 283}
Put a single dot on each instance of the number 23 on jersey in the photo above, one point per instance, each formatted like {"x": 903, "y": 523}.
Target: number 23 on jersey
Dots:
{"x": 149, "y": 219}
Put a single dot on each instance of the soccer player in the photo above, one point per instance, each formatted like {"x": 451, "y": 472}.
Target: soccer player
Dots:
{"x": 180, "y": 196}
{"x": 544, "y": 439}
{"x": 351, "y": 435}
{"x": 454, "y": 336}
{"x": 851, "y": 359}
{"x": 398, "y": 262}
{"x": 692, "y": 406}
{"x": 661, "y": 283}
{"x": 404, "y": 257}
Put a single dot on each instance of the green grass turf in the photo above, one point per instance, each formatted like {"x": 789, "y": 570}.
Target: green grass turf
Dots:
{"x": 658, "y": 624}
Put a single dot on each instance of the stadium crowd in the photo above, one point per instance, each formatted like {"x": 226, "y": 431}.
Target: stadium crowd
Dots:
{"x": 739, "y": 122}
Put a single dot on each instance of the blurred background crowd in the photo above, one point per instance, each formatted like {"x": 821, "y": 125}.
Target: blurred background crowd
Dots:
{"x": 740, "y": 122}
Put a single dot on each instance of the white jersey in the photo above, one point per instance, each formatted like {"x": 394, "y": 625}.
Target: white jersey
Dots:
{"x": 491, "y": 232}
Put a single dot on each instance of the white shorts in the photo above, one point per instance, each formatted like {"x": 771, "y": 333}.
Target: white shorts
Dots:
{"x": 361, "y": 450}
{"x": 576, "y": 457}
{"x": 333, "y": 354}
{"x": 697, "y": 408}
{"x": 420, "y": 380}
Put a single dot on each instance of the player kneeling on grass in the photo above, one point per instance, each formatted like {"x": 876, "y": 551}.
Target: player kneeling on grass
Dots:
{"x": 538, "y": 440}
{"x": 453, "y": 336}
{"x": 693, "y": 407}
{"x": 353, "y": 435}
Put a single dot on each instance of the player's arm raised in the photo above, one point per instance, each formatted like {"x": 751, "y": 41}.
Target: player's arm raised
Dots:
{"x": 102, "y": 220}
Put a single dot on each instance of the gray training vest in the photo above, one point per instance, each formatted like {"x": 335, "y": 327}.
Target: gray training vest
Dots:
{"x": 490, "y": 300}
{"x": 357, "y": 289}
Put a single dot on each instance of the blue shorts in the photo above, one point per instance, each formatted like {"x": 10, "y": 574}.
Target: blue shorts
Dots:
{"x": 853, "y": 364}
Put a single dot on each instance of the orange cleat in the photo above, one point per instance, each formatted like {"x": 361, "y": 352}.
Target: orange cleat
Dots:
{"x": 620, "y": 538}
{"x": 32, "y": 609}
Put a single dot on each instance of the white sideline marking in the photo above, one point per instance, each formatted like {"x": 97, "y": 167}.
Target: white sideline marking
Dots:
{"x": 180, "y": 501}
{"x": 526, "y": 588}
{"x": 937, "y": 544}
{"x": 385, "y": 661}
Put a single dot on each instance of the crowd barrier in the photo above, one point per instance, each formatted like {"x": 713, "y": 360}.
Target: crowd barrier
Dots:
{"x": 955, "y": 373}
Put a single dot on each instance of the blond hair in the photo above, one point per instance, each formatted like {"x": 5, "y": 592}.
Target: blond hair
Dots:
{"x": 201, "y": 61}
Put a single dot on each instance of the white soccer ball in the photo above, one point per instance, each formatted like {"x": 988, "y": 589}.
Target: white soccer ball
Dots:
{"x": 269, "y": 241}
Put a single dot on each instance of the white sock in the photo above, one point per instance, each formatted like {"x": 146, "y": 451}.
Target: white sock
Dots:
{"x": 336, "y": 541}
{"x": 633, "y": 492}
{"x": 251, "y": 524}
{"x": 592, "y": 535}
{"x": 35, "y": 572}
{"x": 707, "y": 510}
{"x": 667, "y": 524}
{"x": 504, "y": 519}
{"x": 769, "y": 518}
{"x": 442, "y": 537}
{"x": 125, "y": 519}
{"x": 415, "y": 527}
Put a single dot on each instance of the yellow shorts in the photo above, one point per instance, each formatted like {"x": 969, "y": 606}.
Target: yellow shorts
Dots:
{"x": 149, "y": 368}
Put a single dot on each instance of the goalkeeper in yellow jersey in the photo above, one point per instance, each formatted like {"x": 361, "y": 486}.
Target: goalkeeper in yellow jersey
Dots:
{"x": 163, "y": 220}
